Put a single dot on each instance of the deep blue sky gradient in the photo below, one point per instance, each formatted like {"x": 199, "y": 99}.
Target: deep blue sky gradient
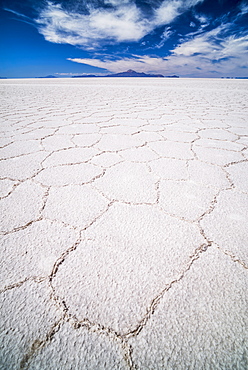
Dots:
{"x": 203, "y": 38}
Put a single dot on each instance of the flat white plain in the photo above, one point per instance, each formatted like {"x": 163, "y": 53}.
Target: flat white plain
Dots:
{"x": 124, "y": 223}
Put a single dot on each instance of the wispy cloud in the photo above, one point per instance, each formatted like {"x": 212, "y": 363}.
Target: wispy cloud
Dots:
{"x": 215, "y": 45}
{"x": 115, "y": 21}
{"x": 244, "y": 8}
{"x": 21, "y": 17}
{"x": 16, "y": 13}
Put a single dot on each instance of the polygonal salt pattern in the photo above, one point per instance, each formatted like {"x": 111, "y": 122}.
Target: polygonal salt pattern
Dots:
{"x": 85, "y": 140}
{"x": 125, "y": 260}
{"x": 127, "y": 122}
{"x": 217, "y": 156}
{"x": 185, "y": 137}
{"x": 185, "y": 199}
{"x": 207, "y": 174}
{"x": 78, "y": 128}
{"x": 106, "y": 159}
{"x": 22, "y": 206}
{"x": 169, "y": 168}
{"x": 57, "y": 142}
{"x": 73, "y": 349}
{"x": 122, "y": 130}
{"x": 239, "y": 175}
{"x": 128, "y": 182}
{"x": 245, "y": 153}
{"x": 84, "y": 204}
{"x": 152, "y": 128}
{"x": 226, "y": 225}
{"x": 124, "y": 222}
{"x": 201, "y": 321}
{"x": 33, "y": 251}
{"x": 142, "y": 154}
{"x": 19, "y": 148}
{"x": 6, "y": 186}
{"x": 70, "y": 156}
{"x": 23, "y": 167}
{"x": 217, "y": 134}
{"x": 114, "y": 142}
{"x": 243, "y": 140}
{"x": 5, "y": 141}
{"x": 171, "y": 149}
{"x": 27, "y": 316}
{"x": 147, "y": 137}
{"x": 219, "y": 144}
{"x": 36, "y": 134}
{"x": 68, "y": 174}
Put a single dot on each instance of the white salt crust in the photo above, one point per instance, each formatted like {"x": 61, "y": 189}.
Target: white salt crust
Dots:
{"x": 124, "y": 224}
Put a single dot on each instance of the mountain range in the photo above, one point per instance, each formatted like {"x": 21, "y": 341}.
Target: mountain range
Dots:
{"x": 129, "y": 73}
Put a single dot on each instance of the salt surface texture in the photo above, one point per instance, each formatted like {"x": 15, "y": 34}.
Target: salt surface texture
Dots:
{"x": 124, "y": 223}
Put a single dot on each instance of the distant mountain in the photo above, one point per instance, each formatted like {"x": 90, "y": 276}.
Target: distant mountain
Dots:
{"x": 131, "y": 73}
{"x": 49, "y": 76}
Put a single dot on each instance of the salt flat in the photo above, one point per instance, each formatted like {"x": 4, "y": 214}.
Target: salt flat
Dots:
{"x": 124, "y": 232}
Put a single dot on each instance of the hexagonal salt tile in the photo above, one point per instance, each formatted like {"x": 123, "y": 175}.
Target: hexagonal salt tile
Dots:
{"x": 169, "y": 168}
{"x": 27, "y": 315}
{"x": 238, "y": 172}
{"x": 79, "y": 349}
{"x": 76, "y": 205}
{"x": 34, "y": 250}
{"x": 200, "y": 322}
{"x": 227, "y": 223}
{"x": 70, "y": 156}
{"x": 185, "y": 199}
{"x": 207, "y": 174}
{"x": 124, "y": 261}
{"x": 22, "y": 206}
{"x": 68, "y": 174}
{"x": 171, "y": 149}
{"x": 128, "y": 182}
{"x": 217, "y": 156}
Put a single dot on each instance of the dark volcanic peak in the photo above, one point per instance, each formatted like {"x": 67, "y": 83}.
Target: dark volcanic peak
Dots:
{"x": 131, "y": 73}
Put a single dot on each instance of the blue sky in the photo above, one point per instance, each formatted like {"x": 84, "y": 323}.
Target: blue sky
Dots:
{"x": 190, "y": 38}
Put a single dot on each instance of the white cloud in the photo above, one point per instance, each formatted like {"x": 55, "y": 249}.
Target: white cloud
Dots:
{"x": 202, "y": 19}
{"x": 208, "y": 55}
{"x": 121, "y": 21}
{"x": 170, "y": 9}
{"x": 215, "y": 45}
{"x": 123, "y": 24}
{"x": 167, "y": 12}
{"x": 244, "y": 8}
